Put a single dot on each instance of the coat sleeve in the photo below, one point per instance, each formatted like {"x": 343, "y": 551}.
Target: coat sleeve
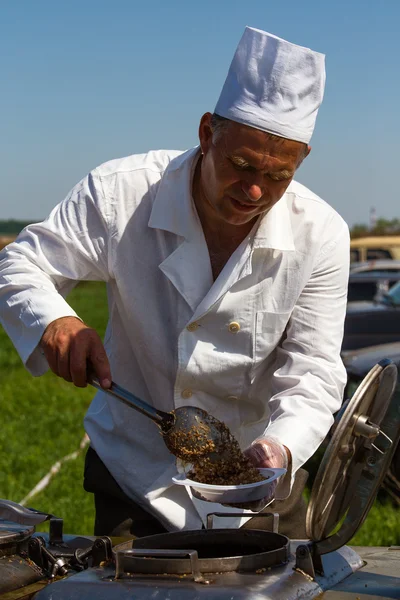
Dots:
{"x": 46, "y": 261}
{"x": 309, "y": 376}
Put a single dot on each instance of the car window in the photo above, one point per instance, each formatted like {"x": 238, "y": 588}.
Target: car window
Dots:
{"x": 376, "y": 253}
{"x": 354, "y": 255}
{"x": 394, "y": 294}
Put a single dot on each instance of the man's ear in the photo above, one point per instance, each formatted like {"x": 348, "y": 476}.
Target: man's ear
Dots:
{"x": 306, "y": 152}
{"x": 205, "y": 132}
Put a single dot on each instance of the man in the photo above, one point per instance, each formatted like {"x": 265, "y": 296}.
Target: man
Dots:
{"x": 226, "y": 287}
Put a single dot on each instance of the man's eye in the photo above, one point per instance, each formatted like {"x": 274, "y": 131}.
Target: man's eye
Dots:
{"x": 238, "y": 167}
{"x": 279, "y": 177}
{"x": 243, "y": 167}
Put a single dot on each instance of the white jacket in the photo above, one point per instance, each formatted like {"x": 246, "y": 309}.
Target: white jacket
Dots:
{"x": 258, "y": 348}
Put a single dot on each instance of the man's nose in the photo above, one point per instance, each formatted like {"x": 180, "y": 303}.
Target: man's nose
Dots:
{"x": 253, "y": 191}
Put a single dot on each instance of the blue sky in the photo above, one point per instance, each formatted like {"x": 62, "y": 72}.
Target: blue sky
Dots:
{"x": 84, "y": 82}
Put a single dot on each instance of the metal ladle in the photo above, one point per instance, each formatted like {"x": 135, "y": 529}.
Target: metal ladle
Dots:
{"x": 188, "y": 432}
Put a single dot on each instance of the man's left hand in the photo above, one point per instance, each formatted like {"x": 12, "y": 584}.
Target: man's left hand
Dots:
{"x": 266, "y": 453}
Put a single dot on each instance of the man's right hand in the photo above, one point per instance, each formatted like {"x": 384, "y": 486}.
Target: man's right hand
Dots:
{"x": 73, "y": 349}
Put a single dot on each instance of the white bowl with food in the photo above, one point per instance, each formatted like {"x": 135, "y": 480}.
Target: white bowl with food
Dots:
{"x": 231, "y": 494}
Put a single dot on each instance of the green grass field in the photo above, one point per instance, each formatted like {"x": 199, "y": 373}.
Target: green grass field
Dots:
{"x": 42, "y": 422}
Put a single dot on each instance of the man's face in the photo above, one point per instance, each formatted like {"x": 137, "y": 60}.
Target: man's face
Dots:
{"x": 244, "y": 172}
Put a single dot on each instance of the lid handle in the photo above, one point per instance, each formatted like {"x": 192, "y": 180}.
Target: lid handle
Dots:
{"x": 11, "y": 511}
{"x": 275, "y": 518}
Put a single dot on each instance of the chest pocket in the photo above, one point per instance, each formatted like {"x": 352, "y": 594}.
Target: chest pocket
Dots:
{"x": 269, "y": 328}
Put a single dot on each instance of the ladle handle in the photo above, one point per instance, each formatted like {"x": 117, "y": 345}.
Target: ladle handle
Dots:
{"x": 161, "y": 418}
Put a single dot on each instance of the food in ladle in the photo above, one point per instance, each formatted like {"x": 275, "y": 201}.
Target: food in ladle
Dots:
{"x": 203, "y": 438}
{"x": 226, "y": 465}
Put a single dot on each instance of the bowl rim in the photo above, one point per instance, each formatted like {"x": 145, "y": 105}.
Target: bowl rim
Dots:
{"x": 224, "y": 488}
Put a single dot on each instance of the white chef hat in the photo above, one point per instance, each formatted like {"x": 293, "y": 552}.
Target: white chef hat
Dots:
{"x": 273, "y": 85}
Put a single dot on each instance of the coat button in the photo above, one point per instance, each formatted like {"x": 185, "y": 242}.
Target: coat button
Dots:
{"x": 234, "y": 327}
{"x": 186, "y": 393}
{"x": 192, "y": 326}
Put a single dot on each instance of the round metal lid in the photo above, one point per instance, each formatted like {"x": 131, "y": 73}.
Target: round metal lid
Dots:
{"x": 357, "y": 457}
{"x": 13, "y": 533}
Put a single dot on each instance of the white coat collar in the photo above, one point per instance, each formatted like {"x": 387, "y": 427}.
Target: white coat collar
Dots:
{"x": 275, "y": 228}
{"x": 173, "y": 209}
{"x": 188, "y": 267}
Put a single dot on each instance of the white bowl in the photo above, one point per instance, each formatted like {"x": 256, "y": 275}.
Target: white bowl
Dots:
{"x": 227, "y": 494}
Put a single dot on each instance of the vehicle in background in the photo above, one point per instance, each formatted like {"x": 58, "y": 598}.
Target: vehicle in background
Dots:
{"x": 375, "y": 247}
{"x": 371, "y": 286}
{"x": 373, "y": 323}
{"x": 376, "y": 266}
{"x": 358, "y": 363}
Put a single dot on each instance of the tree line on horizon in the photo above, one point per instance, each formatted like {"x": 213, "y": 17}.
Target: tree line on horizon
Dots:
{"x": 381, "y": 227}
{"x": 12, "y": 227}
